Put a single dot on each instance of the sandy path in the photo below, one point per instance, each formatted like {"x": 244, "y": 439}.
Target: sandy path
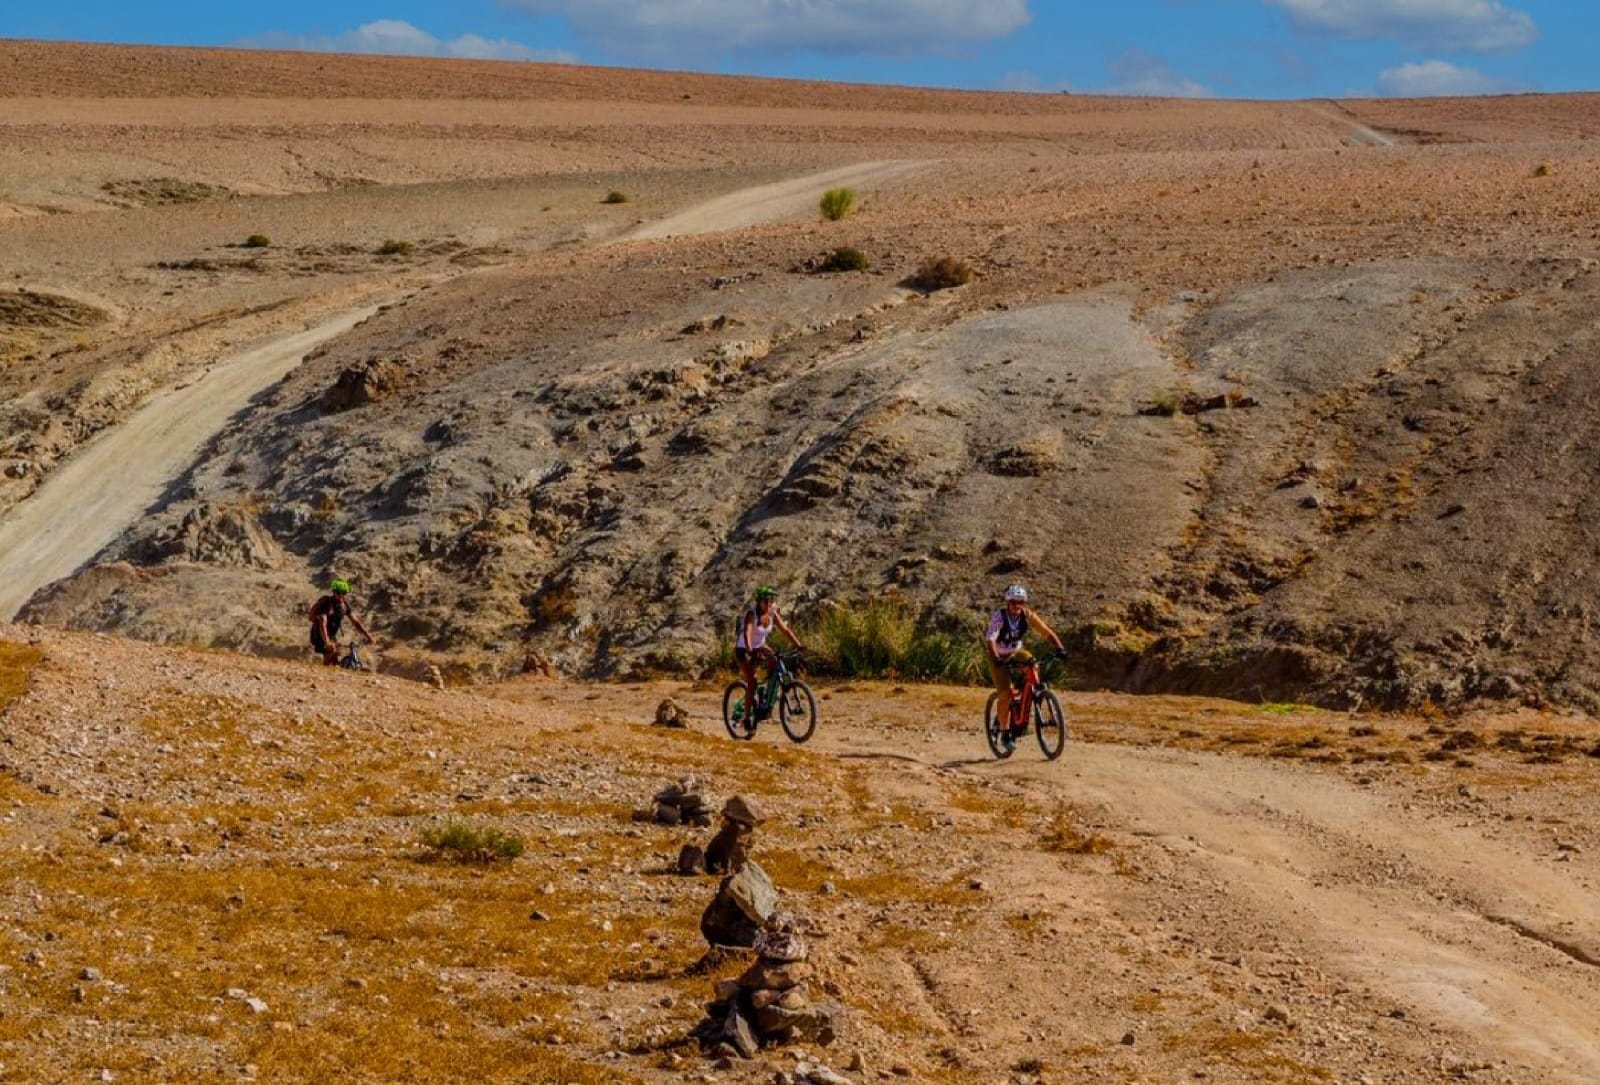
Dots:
{"x": 1358, "y": 131}
{"x": 771, "y": 203}
{"x": 93, "y": 497}
{"x": 1476, "y": 937}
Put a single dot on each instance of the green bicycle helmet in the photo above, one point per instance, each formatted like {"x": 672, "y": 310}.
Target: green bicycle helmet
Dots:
{"x": 340, "y": 587}
{"x": 766, "y": 592}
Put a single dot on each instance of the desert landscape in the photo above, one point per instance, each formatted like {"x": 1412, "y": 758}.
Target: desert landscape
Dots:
{"x": 1280, "y": 409}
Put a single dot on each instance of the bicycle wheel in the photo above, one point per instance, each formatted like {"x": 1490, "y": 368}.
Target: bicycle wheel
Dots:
{"x": 797, "y": 711}
{"x": 1050, "y": 724}
{"x": 994, "y": 730}
{"x": 740, "y": 724}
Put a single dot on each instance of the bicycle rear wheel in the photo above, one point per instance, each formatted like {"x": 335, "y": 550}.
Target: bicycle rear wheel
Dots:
{"x": 1050, "y": 724}
{"x": 797, "y": 711}
{"x": 741, "y": 724}
{"x": 994, "y": 730}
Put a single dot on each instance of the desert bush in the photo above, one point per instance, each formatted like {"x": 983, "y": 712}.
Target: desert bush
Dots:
{"x": 614, "y": 196}
{"x": 257, "y": 241}
{"x": 885, "y": 638}
{"x": 845, "y": 259}
{"x": 464, "y": 843}
{"x": 1165, "y": 404}
{"x": 394, "y": 247}
{"x": 838, "y": 203}
{"x": 1064, "y": 835}
{"x": 1543, "y": 169}
{"x": 941, "y": 273}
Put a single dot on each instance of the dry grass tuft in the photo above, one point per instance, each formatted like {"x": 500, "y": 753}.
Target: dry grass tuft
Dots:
{"x": 1064, "y": 836}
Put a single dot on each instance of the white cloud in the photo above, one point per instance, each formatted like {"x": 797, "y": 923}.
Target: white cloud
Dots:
{"x": 656, "y": 27}
{"x": 1139, "y": 73}
{"x": 1475, "y": 25}
{"x": 1434, "y": 78}
{"x": 393, "y": 37}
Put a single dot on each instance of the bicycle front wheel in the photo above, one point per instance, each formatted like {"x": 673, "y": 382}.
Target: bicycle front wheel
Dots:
{"x": 797, "y": 711}
{"x": 1050, "y": 724}
{"x": 740, "y": 722}
{"x": 994, "y": 729}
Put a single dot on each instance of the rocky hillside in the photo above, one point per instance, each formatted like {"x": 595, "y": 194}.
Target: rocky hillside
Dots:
{"x": 1255, "y": 406}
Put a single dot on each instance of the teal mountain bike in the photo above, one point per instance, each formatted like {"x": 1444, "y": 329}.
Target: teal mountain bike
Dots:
{"x": 797, "y": 707}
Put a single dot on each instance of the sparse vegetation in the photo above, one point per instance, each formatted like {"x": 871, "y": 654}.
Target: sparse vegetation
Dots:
{"x": 845, "y": 258}
{"x": 466, "y": 843}
{"x": 1164, "y": 404}
{"x": 940, "y": 273}
{"x": 394, "y": 247}
{"x": 257, "y": 241}
{"x": 615, "y": 196}
{"x": 1064, "y": 835}
{"x": 885, "y": 639}
{"x": 1543, "y": 169}
{"x": 838, "y": 203}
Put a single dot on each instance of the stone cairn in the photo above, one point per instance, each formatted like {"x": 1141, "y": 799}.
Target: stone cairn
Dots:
{"x": 670, "y": 713}
{"x": 679, "y": 803}
{"x": 729, "y": 850}
{"x": 770, "y": 1002}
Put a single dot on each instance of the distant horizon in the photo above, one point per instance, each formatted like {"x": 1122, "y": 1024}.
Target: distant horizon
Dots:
{"x": 1237, "y": 50}
{"x": 667, "y": 70}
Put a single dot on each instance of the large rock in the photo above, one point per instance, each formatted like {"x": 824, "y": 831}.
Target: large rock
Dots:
{"x": 743, "y": 904}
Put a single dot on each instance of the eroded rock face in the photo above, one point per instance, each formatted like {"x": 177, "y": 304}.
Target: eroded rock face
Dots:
{"x": 217, "y": 535}
{"x": 368, "y": 382}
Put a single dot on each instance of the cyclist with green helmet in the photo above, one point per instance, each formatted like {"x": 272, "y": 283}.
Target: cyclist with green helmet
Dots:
{"x": 327, "y": 617}
{"x": 756, "y": 623}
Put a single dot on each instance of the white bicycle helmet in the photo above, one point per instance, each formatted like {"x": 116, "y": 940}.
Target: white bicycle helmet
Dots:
{"x": 1017, "y": 592}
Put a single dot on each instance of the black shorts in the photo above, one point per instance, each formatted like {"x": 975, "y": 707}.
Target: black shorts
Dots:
{"x": 317, "y": 640}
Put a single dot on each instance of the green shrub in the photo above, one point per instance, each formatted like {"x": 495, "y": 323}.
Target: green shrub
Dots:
{"x": 885, "y": 638}
{"x": 464, "y": 843}
{"x": 257, "y": 241}
{"x": 940, "y": 273}
{"x": 392, "y": 247}
{"x": 838, "y": 203}
{"x": 615, "y": 196}
{"x": 1164, "y": 404}
{"x": 1543, "y": 169}
{"x": 845, "y": 259}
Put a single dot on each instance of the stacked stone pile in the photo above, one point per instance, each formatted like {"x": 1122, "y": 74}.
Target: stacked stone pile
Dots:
{"x": 680, "y": 803}
{"x": 770, "y": 1003}
{"x": 729, "y": 850}
{"x": 670, "y": 713}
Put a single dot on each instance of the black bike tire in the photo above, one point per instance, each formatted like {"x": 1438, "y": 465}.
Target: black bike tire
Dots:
{"x": 1048, "y": 705}
{"x": 992, "y": 729}
{"x": 744, "y": 730}
{"x": 785, "y": 717}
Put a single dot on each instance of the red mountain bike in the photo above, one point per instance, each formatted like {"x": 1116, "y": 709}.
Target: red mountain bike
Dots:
{"x": 1032, "y": 699}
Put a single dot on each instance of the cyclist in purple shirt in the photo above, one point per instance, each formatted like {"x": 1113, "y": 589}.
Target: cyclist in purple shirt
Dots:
{"x": 1003, "y": 641}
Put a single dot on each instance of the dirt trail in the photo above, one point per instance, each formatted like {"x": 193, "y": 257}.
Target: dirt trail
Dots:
{"x": 769, "y": 203}
{"x": 95, "y": 495}
{"x": 1459, "y": 929}
{"x": 1359, "y": 132}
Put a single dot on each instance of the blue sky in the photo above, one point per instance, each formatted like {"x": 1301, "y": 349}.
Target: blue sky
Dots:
{"x": 1224, "y": 48}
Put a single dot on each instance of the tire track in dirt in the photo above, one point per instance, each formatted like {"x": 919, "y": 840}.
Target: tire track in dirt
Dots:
{"x": 1479, "y": 939}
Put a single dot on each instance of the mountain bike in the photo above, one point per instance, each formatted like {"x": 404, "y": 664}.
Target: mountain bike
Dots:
{"x": 797, "y": 707}
{"x": 1032, "y": 700}
{"x": 352, "y": 660}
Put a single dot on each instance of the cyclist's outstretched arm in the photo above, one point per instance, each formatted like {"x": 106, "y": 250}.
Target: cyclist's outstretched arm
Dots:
{"x": 783, "y": 625}
{"x": 1037, "y": 624}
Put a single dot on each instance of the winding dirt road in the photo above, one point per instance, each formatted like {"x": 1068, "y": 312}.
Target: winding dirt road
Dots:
{"x": 771, "y": 203}
{"x": 92, "y": 498}
{"x": 1422, "y": 907}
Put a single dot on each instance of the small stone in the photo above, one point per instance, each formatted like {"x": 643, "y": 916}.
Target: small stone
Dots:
{"x": 540, "y": 917}
{"x": 777, "y": 977}
{"x": 1127, "y": 1039}
{"x": 1278, "y": 1016}
{"x": 91, "y": 974}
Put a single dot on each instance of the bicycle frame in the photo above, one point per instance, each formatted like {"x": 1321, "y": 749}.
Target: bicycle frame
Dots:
{"x": 767, "y": 692}
{"x": 1022, "y": 700}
